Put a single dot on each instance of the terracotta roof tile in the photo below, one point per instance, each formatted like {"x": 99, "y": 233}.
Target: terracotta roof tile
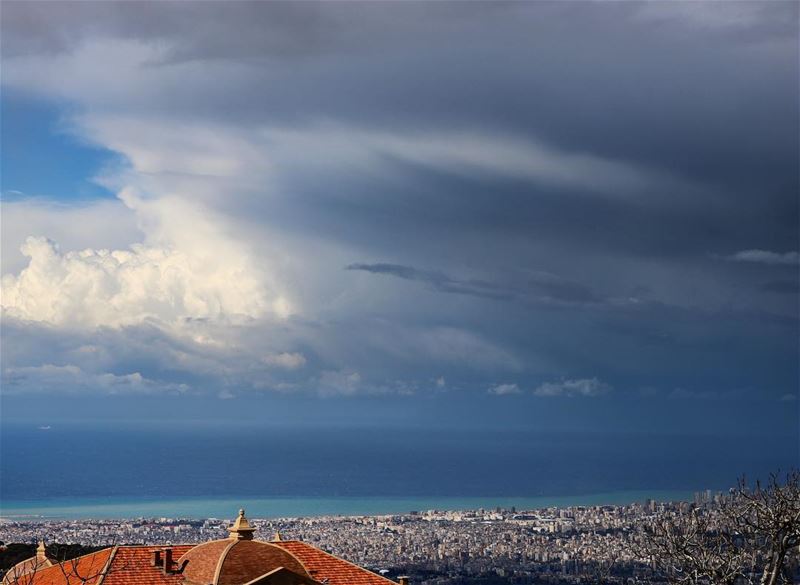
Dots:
{"x": 85, "y": 570}
{"x": 203, "y": 559}
{"x": 131, "y": 565}
{"x": 323, "y": 565}
{"x": 248, "y": 559}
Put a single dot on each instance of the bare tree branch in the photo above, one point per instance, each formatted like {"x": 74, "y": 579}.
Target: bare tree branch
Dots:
{"x": 749, "y": 536}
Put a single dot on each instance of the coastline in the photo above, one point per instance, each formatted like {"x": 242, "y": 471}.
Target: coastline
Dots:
{"x": 291, "y": 506}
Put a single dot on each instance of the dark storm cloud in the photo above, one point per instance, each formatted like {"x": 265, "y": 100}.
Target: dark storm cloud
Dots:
{"x": 716, "y": 106}
{"x": 788, "y": 287}
{"x": 562, "y": 73}
{"x": 615, "y": 269}
{"x": 437, "y": 280}
{"x": 540, "y": 286}
{"x": 220, "y": 30}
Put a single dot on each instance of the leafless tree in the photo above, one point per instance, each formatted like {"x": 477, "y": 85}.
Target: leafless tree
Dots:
{"x": 750, "y": 536}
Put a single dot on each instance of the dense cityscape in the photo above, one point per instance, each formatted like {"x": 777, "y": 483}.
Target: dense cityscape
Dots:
{"x": 550, "y": 545}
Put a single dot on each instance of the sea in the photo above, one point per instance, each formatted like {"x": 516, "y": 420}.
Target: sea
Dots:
{"x": 86, "y": 471}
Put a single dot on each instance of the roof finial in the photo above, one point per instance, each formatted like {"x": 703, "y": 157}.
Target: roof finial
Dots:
{"x": 277, "y": 537}
{"x": 41, "y": 551}
{"x": 241, "y": 528}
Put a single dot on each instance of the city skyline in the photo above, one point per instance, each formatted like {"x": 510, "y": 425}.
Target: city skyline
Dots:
{"x": 555, "y": 544}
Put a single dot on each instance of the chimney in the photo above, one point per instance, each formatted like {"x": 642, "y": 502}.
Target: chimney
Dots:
{"x": 156, "y": 560}
{"x": 402, "y": 580}
{"x": 167, "y": 561}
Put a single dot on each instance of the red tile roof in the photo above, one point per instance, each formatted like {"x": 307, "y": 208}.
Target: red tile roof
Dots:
{"x": 202, "y": 561}
{"x": 248, "y": 559}
{"x": 235, "y": 562}
{"x": 323, "y": 565}
{"x": 131, "y": 565}
{"x": 85, "y": 570}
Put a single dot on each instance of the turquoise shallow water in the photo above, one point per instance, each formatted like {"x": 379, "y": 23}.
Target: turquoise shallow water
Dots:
{"x": 281, "y": 507}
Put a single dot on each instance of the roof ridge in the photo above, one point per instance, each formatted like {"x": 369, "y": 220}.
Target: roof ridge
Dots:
{"x": 104, "y": 549}
{"x": 61, "y": 568}
{"x": 17, "y": 570}
{"x": 105, "y": 570}
{"x": 222, "y": 558}
{"x": 291, "y": 554}
{"x": 59, "y": 564}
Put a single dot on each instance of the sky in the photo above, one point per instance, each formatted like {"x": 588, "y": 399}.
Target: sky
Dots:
{"x": 550, "y": 216}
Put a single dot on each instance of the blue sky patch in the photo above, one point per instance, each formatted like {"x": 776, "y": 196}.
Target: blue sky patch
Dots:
{"x": 41, "y": 158}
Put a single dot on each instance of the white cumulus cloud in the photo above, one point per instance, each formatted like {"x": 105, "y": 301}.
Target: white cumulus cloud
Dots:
{"x": 187, "y": 268}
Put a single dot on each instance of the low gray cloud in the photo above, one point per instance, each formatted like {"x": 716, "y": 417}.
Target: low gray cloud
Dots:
{"x": 286, "y": 360}
{"x": 504, "y": 389}
{"x": 69, "y": 379}
{"x": 767, "y": 257}
{"x": 582, "y": 387}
